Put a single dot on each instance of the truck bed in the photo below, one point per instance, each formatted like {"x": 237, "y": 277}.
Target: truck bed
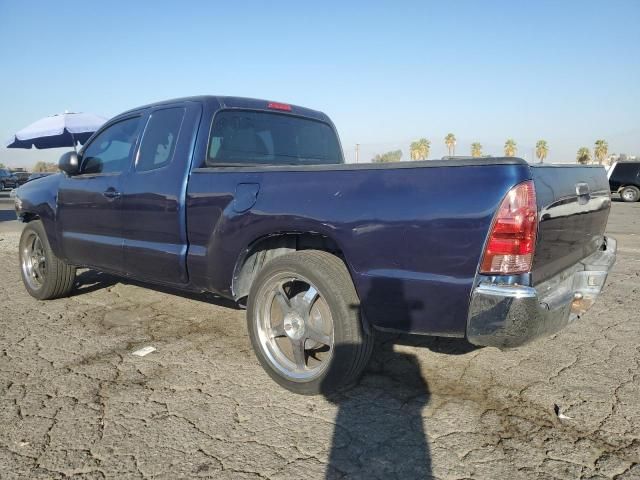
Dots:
{"x": 412, "y": 233}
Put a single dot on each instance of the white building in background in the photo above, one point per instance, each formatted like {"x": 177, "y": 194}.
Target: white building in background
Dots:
{"x": 616, "y": 157}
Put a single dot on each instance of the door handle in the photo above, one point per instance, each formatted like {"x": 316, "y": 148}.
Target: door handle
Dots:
{"x": 111, "y": 193}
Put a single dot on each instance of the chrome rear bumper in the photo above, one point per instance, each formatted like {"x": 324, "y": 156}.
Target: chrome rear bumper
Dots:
{"x": 507, "y": 316}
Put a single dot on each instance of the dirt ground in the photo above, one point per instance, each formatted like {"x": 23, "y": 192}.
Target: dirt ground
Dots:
{"x": 74, "y": 401}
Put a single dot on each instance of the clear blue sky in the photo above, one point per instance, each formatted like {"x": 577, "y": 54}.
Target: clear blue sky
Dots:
{"x": 386, "y": 72}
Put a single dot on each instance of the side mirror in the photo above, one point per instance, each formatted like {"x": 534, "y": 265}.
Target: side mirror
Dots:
{"x": 69, "y": 163}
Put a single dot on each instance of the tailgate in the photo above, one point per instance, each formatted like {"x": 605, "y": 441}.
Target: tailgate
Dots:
{"x": 573, "y": 207}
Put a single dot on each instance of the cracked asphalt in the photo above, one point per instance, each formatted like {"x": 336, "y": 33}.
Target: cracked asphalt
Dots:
{"x": 74, "y": 401}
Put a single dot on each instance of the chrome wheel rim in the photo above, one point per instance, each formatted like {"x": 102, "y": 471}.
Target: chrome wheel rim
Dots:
{"x": 295, "y": 327}
{"x": 34, "y": 261}
{"x": 628, "y": 195}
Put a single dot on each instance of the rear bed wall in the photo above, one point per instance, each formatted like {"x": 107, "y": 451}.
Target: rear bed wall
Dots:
{"x": 570, "y": 228}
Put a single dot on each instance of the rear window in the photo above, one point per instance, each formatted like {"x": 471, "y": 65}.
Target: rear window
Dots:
{"x": 264, "y": 138}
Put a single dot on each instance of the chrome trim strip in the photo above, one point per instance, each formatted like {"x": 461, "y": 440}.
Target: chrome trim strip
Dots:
{"x": 511, "y": 291}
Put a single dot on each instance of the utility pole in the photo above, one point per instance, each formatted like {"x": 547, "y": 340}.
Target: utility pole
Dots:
{"x": 357, "y": 152}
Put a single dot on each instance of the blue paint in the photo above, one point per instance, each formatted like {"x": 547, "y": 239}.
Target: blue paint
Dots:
{"x": 411, "y": 233}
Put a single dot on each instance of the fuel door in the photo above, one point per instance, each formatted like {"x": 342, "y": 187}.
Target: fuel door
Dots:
{"x": 245, "y": 197}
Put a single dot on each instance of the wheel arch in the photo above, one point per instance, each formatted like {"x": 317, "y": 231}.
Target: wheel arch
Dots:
{"x": 43, "y": 212}
{"x": 273, "y": 245}
{"x": 26, "y": 217}
{"x": 628, "y": 184}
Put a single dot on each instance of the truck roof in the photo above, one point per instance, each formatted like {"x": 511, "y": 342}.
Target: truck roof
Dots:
{"x": 219, "y": 101}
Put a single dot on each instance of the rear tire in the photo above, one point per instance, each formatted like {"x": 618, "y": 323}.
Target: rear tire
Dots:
{"x": 630, "y": 194}
{"x": 303, "y": 317}
{"x": 44, "y": 275}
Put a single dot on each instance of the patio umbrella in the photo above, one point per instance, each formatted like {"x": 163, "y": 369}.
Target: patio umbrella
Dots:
{"x": 62, "y": 130}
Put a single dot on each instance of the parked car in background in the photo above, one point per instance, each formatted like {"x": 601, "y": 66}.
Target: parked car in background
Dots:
{"x": 252, "y": 200}
{"x": 35, "y": 176}
{"x": 21, "y": 177}
{"x": 624, "y": 178}
{"x": 7, "y": 179}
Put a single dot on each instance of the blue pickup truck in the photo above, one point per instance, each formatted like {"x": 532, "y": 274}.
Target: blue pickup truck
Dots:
{"x": 252, "y": 200}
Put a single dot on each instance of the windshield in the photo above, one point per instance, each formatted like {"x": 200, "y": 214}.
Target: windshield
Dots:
{"x": 264, "y": 138}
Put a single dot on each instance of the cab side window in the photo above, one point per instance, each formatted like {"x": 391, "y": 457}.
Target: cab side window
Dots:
{"x": 112, "y": 149}
{"x": 159, "y": 139}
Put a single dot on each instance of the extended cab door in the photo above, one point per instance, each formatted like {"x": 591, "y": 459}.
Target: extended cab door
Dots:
{"x": 153, "y": 201}
{"x": 89, "y": 215}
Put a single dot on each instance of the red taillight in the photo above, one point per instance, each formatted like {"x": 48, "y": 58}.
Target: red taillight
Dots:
{"x": 280, "y": 106}
{"x": 512, "y": 240}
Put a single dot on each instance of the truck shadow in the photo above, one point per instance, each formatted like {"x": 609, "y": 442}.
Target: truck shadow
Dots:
{"x": 88, "y": 281}
{"x": 380, "y": 427}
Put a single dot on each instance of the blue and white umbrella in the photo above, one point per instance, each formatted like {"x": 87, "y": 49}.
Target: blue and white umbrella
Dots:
{"x": 62, "y": 130}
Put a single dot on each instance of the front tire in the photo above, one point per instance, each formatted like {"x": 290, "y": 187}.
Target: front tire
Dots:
{"x": 44, "y": 275}
{"x": 303, "y": 316}
{"x": 630, "y": 194}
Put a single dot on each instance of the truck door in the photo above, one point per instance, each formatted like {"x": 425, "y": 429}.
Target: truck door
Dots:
{"x": 153, "y": 201}
{"x": 89, "y": 203}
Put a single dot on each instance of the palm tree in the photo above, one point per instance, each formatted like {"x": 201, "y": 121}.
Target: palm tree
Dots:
{"x": 583, "y": 156}
{"x": 414, "y": 151}
{"x": 419, "y": 149}
{"x": 476, "y": 149}
{"x": 425, "y": 148}
{"x": 542, "y": 150}
{"x": 510, "y": 147}
{"x": 450, "y": 142}
{"x": 601, "y": 150}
